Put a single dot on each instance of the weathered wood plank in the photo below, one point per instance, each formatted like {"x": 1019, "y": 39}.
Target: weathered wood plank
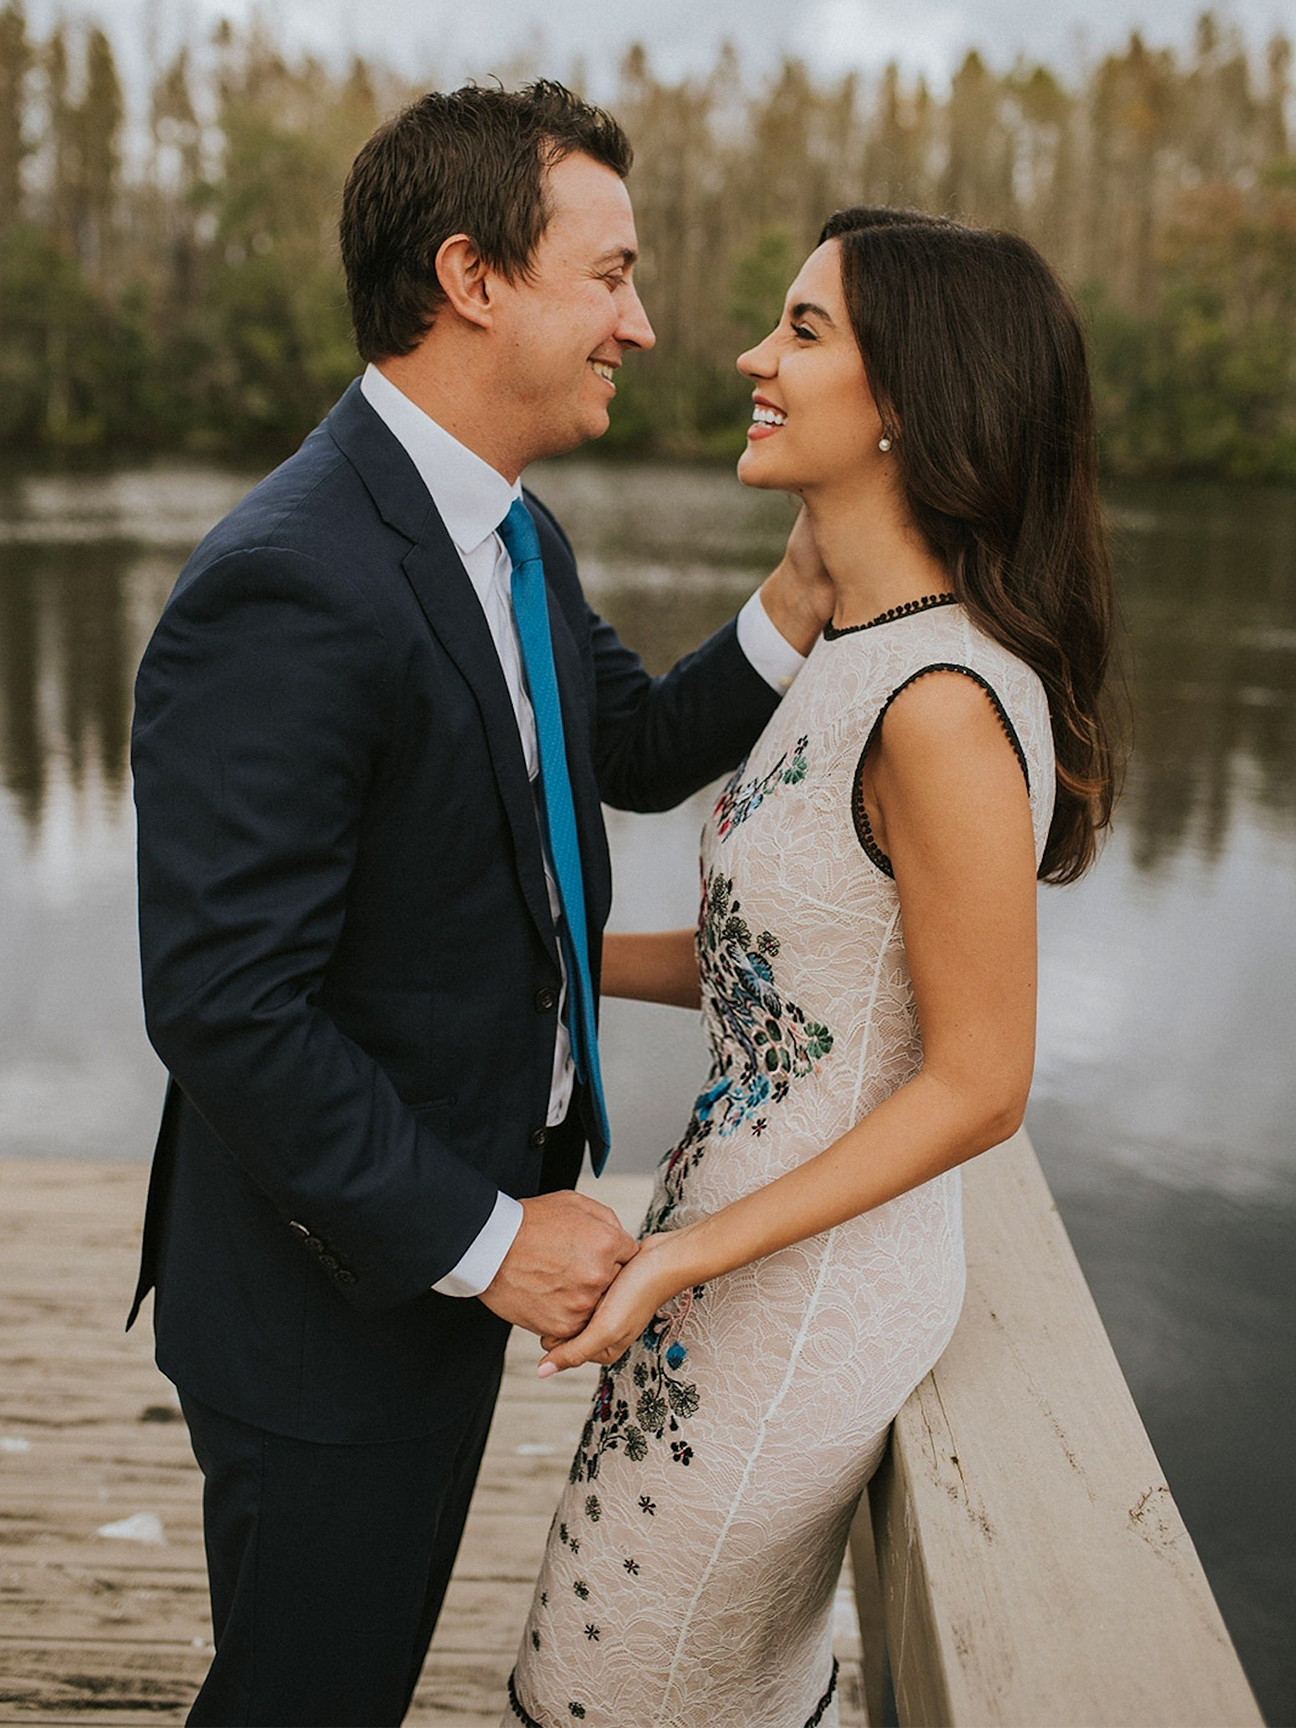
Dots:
{"x": 98, "y": 1629}
{"x": 1035, "y": 1567}
{"x": 118, "y": 1679}
{"x": 870, "y": 1615}
{"x": 96, "y": 1602}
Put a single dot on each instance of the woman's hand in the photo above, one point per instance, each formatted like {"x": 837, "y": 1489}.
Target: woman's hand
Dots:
{"x": 656, "y": 1273}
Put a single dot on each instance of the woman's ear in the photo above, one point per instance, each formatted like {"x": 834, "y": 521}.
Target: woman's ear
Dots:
{"x": 465, "y": 276}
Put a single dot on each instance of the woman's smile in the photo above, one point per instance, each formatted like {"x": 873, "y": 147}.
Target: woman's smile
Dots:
{"x": 766, "y": 418}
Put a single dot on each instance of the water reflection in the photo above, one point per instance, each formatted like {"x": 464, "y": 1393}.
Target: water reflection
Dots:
{"x": 24, "y": 760}
{"x": 1207, "y": 575}
{"x": 78, "y": 598}
{"x": 65, "y": 666}
{"x": 1208, "y": 583}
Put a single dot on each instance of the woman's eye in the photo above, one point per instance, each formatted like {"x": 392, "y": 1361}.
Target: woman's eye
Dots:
{"x": 805, "y": 333}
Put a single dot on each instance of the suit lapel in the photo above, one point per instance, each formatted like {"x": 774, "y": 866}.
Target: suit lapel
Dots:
{"x": 454, "y": 612}
{"x": 436, "y": 574}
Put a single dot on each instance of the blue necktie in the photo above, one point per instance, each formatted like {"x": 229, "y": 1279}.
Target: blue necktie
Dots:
{"x": 531, "y": 613}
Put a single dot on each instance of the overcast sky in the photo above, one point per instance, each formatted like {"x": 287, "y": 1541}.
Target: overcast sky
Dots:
{"x": 450, "y": 39}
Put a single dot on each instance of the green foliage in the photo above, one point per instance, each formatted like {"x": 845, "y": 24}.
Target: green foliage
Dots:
{"x": 1206, "y": 383}
{"x": 15, "y": 66}
{"x": 73, "y": 367}
{"x": 758, "y": 280}
{"x": 200, "y": 301}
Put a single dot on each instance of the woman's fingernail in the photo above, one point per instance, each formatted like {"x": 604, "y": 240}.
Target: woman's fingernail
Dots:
{"x": 546, "y": 1369}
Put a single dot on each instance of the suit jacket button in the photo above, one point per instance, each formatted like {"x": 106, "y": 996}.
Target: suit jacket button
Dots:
{"x": 342, "y": 1276}
{"x": 546, "y": 999}
{"x": 314, "y": 1244}
{"x": 537, "y": 1137}
{"x": 329, "y": 1262}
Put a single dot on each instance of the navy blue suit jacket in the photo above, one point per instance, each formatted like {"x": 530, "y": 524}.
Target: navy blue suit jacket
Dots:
{"x": 349, "y": 962}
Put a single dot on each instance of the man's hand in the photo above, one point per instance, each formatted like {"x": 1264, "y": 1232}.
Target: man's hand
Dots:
{"x": 568, "y": 1250}
{"x": 799, "y": 594}
{"x": 660, "y": 1271}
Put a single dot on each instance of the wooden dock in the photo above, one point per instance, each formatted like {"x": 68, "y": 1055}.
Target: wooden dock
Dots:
{"x": 114, "y": 1628}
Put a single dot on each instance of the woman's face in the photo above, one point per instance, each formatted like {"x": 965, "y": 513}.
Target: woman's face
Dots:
{"x": 815, "y": 426}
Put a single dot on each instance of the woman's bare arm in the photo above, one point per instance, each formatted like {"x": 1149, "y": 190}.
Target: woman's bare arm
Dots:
{"x": 957, "y": 821}
{"x": 659, "y": 966}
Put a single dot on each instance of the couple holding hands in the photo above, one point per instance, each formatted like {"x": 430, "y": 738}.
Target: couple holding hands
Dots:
{"x": 374, "y": 729}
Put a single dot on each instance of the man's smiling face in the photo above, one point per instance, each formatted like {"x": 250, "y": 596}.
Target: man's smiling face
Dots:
{"x": 567, "y": 324}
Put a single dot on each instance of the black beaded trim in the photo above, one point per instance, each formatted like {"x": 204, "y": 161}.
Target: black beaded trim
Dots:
{"x": 825, "y": 1701}
{"x": 521, "y": 1714}
{"x": 863, "y": 827}
{"x": 831, "y": 632}
{"x": 813, "y": 1722}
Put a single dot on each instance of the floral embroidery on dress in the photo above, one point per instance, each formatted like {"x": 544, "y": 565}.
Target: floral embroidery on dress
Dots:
{"x": 662, "y": 1400}
{"x": 763, "y": 1043}
{"x": 739, "y": 800}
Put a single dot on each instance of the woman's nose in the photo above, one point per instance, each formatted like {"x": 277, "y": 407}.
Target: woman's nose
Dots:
{"x": 757, "y": 362}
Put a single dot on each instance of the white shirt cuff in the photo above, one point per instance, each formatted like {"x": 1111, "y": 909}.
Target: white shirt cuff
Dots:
{"x": 486, "y": 1253}
{"x": 765, "y": 645}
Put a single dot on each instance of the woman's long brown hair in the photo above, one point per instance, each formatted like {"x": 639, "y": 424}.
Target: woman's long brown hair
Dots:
{"x": 976, "y": 361}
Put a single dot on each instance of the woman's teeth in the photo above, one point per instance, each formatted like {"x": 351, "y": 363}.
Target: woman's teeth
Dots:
{"x": 763, "y": 416}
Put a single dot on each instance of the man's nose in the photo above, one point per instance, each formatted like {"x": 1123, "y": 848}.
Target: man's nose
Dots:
{"x": 634, "y": 330}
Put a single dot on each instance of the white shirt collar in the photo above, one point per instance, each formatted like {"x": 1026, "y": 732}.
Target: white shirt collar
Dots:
{"x": 471, "y": 497}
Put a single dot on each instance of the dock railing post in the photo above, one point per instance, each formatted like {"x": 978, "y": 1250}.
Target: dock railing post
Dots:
{"x": 1034, "y": 1569}
{"x": 869, "y": 1608}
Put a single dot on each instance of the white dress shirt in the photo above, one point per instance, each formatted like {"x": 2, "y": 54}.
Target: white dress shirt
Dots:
{"x": 472, "y": 499}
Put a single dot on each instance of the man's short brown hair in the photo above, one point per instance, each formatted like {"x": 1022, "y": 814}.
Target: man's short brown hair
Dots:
{"x": 469, "y": 162}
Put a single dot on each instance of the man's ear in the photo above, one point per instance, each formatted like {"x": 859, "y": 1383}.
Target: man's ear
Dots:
{"x": 465, "y": 277}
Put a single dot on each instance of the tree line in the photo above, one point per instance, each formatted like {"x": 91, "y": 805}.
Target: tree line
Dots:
{"x": 176, "y": 285}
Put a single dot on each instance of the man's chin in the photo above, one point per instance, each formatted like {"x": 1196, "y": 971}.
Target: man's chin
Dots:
{"x": 597, "y": 423}
{"x": 559, "y": 440}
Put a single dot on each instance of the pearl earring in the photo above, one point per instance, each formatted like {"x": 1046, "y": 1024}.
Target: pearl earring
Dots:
{"x": 884, "y": 443}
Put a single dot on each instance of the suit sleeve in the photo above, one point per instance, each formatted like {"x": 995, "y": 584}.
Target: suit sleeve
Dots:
{"x": 657, "y": 740}
{"x": 263, "y": 706}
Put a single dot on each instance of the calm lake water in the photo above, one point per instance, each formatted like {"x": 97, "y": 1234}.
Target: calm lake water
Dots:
{"x": 1165, "y": 1093}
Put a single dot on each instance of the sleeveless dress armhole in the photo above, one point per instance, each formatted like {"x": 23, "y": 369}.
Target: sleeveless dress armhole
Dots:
{"x": 859, "y": 815}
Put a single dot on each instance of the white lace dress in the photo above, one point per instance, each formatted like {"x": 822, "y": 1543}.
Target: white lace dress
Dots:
{"x": 689, "y": 1576}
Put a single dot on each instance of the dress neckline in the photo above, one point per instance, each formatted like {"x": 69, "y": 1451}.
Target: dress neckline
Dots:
{"x": 905, "y": 610}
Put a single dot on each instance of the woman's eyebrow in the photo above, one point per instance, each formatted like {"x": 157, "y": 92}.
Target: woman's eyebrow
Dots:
{"x": 804, "y": 306}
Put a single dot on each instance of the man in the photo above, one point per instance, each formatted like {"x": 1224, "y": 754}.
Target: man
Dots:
{"x": 373, "y": 729}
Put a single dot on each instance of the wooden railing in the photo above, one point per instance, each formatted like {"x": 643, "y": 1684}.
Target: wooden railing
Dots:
{"x": 1020, "y": 1559}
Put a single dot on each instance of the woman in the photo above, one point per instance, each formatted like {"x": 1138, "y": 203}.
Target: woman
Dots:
{"x": 865, "y": 962}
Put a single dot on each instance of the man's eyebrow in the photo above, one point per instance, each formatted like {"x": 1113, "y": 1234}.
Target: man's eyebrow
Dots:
{"x": 625, "y": 255}
{"x": 804, "y": 306}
